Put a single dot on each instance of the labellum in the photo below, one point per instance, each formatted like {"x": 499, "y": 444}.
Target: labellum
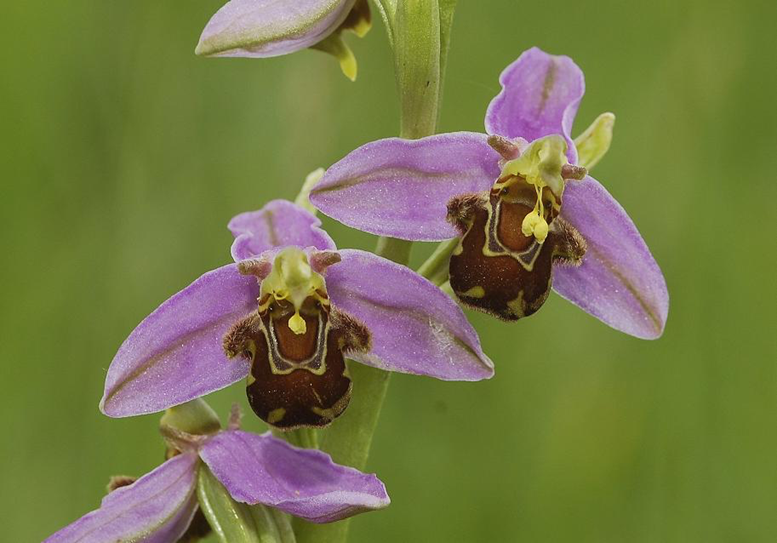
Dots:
{"x": 296, "y": 342}
{"x": 512, "y": 236}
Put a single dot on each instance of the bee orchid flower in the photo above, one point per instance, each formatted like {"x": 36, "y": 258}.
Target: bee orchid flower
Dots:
{"x": 518, "y": 198}
{"x": 284, "y": 316}
{"x": 270, "y": 28}
{"x": 204, "y": 470}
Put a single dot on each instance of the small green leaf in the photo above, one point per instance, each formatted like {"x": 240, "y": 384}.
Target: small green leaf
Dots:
{"x": 303, "y": 198}
{"x": 235, "y": 522}
{"x": 593, "y": 144}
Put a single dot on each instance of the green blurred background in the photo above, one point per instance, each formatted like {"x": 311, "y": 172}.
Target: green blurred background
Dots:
{"x": 123, "y": 156}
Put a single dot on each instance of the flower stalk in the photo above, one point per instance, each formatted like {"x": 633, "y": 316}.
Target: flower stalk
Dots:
{"x": 414, "y": 27}
{"x": 435, "y": 268}
{"x": 417, "y": 66}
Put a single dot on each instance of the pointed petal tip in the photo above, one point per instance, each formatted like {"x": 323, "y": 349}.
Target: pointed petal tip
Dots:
{"x": 656, "y": 314}
{"x": 110, "y": 408}
{"x": 648, "y": 326}
{"x": 117, "y": 406}
{"x": 209, "y": 46}
{"x": 201, "y": 50}
{"x": 655, "y": 333}
{"x": 103, "y": 406}
{"x": 349, "y": 67}
{"x": 350, "y": 71}
{"x": 639, "y": 315}
{"x": 619, "y": 281}
{"x": 488, "y": 369}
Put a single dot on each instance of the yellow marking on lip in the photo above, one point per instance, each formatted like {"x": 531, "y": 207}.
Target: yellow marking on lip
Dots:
{"x": 474, "y": 292}
{"x": 323, "y": 413}
{"x": 318, "y": 398}
{"x": 276, "y": 415}
{"x": 516, "y": 305}
{"x": 297, "y": 324}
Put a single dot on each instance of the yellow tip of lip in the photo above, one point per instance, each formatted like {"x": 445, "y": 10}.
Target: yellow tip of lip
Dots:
{"x": 297, "y": 324}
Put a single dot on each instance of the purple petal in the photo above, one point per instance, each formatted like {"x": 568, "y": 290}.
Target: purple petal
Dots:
{"x": 400, "y": 188}
{"x": 280, "y": 223}
{"x": 157, "y": 508}
{"x": 268, "y": 28}
{"x": 619, "y": 281}
{"x": 540, "y": 95}
{"x": 306, "y": 483}
{"x": 175, "y": 354}
{"x": 416, "y": 328}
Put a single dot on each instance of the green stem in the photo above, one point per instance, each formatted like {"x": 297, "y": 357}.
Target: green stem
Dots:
{"x": 417, "y": 66}
{"x": 349, "y": 437}
{"x": 396, "y": 250}
{"x": 436, "y": 266}
{"x": 415, "y": 31}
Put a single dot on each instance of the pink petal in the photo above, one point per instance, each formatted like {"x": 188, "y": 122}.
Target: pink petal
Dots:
{"x": 303, "y": 482}
{"x": 280, "y": 223}
{"x": 400, "y": 188}
{"x": 157, "y": 508}
{"x": 268, "y": 28}
{"x": 619, "y": 281}
{"x": 175, "y": 354}
{"x": 540, "y": 95}
{"x": 416, "y": 328}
